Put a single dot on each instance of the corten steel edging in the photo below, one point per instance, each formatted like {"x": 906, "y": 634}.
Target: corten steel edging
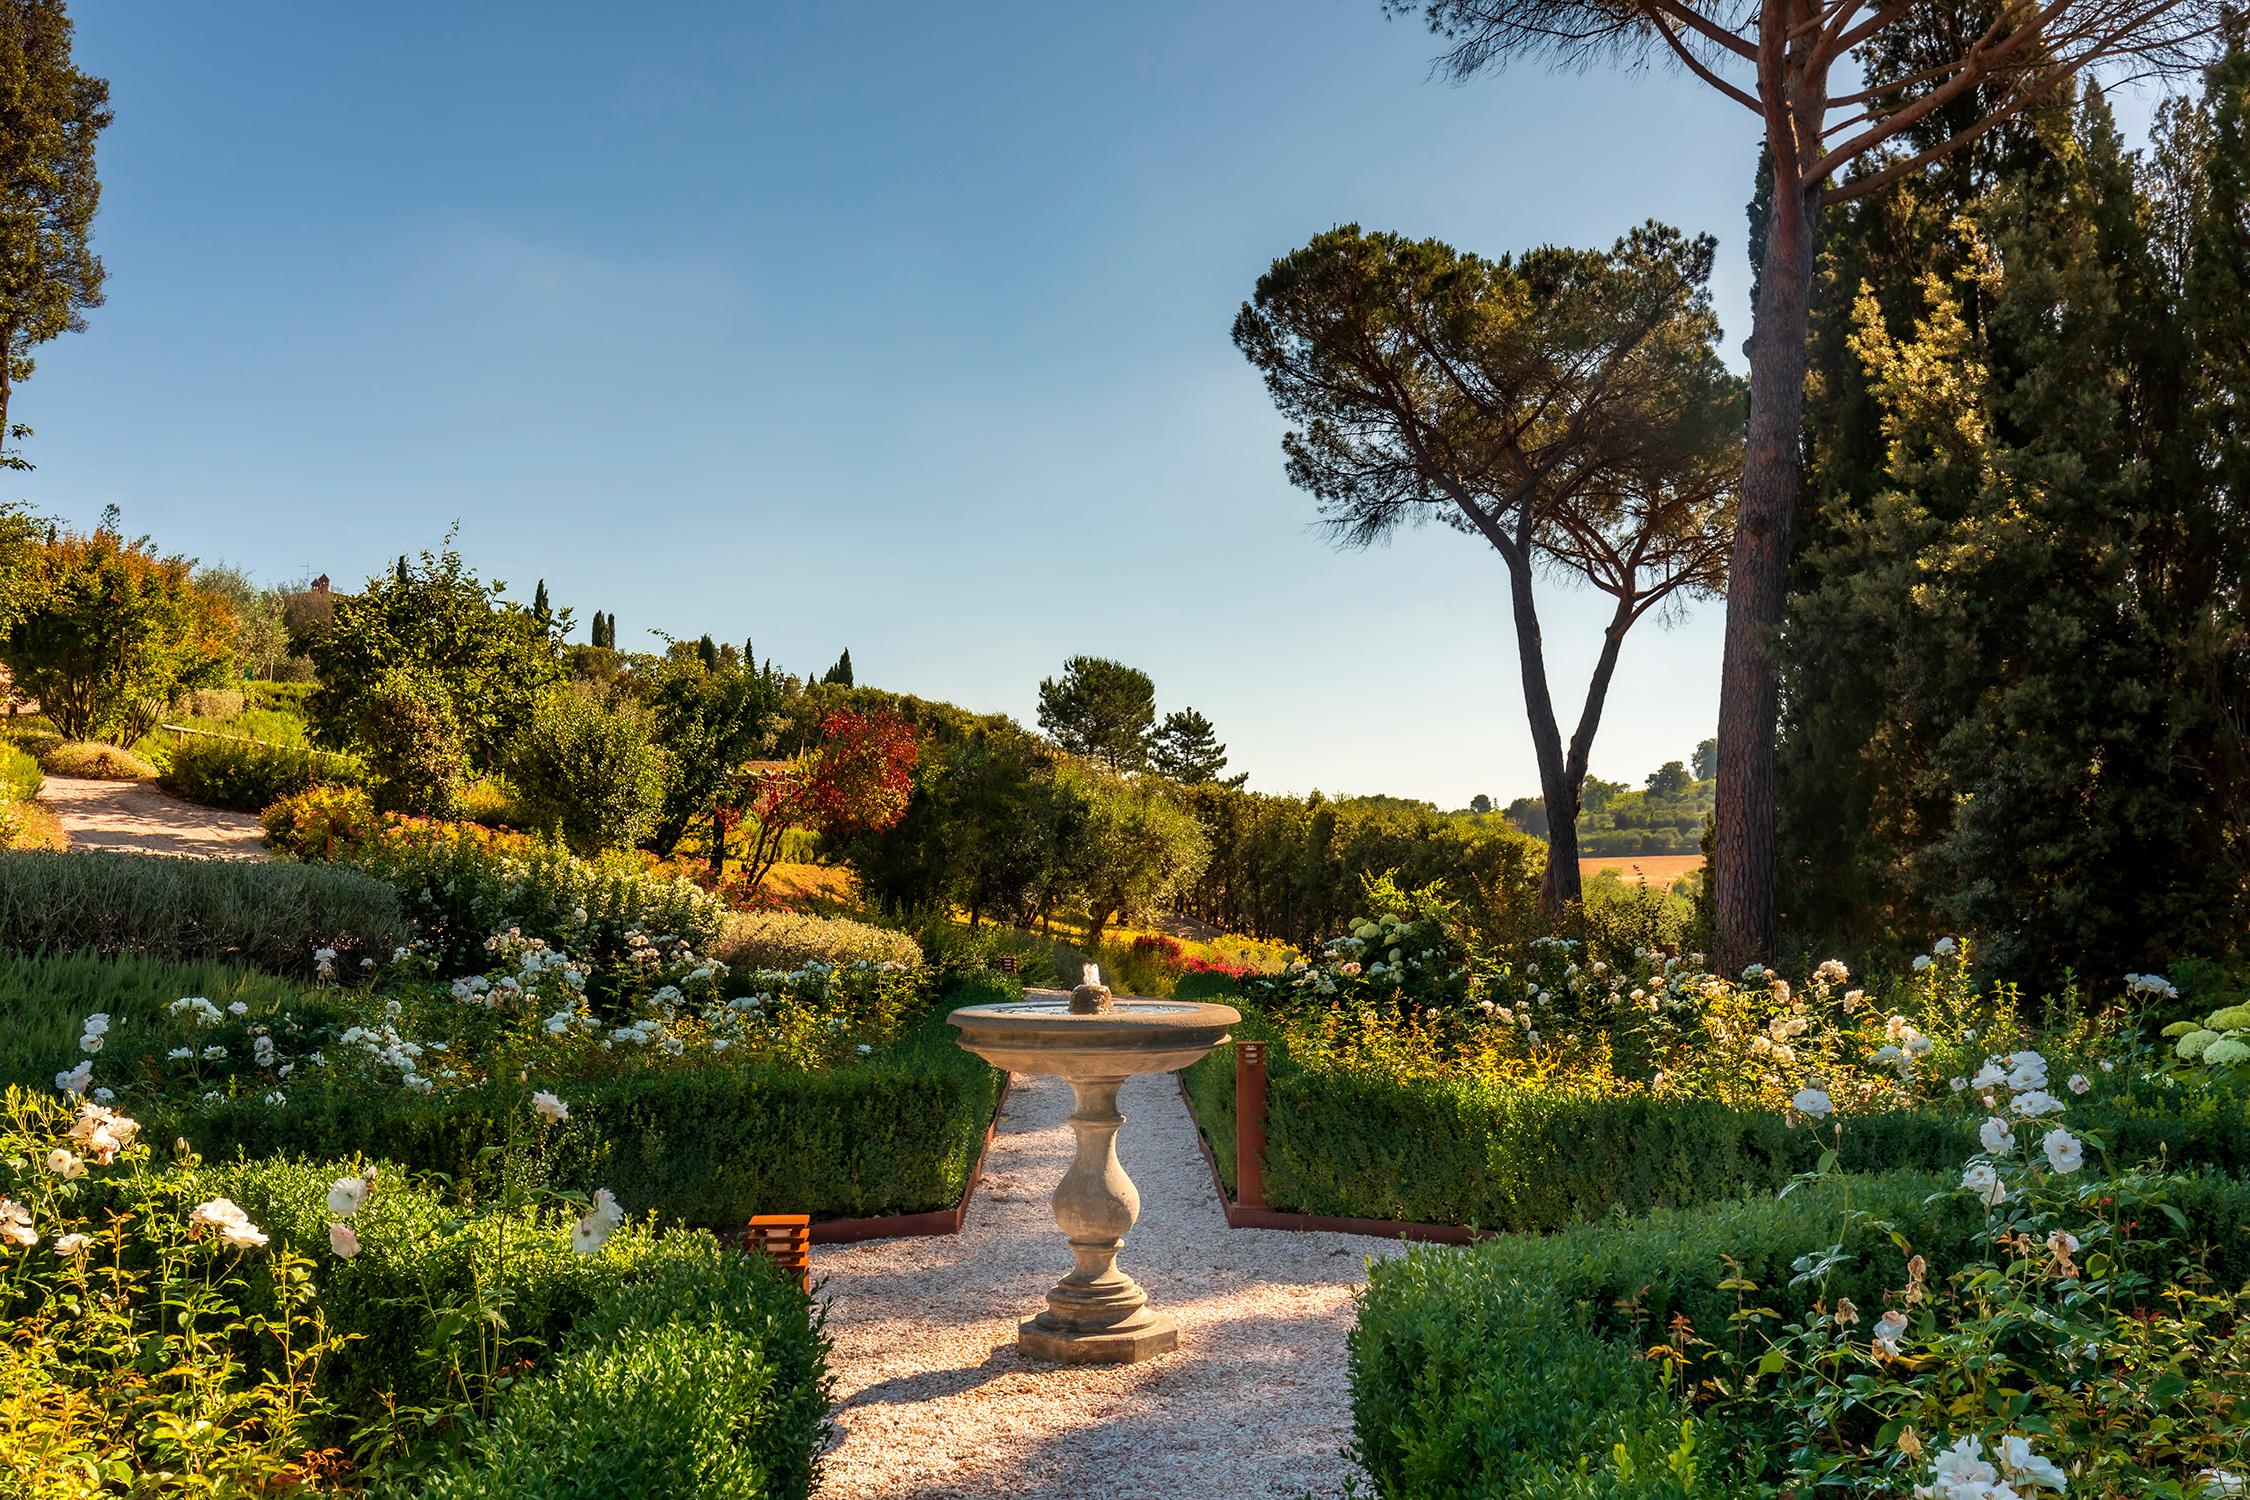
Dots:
{"x": 1240, "y": 1216}
{"x": 930, "y": 1221}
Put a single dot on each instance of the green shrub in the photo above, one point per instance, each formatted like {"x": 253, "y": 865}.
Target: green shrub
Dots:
{"x": 20, "y": 776}
{"x": 459, "y": 884}
{"x": 91, "y": 758}
{"x": 417, "y": 750}
{"x": 704, "y": 1378}
{"x": 896, "y": 1133}
{"x": 785, "y": 940}
{"x": 320, "y": 822}
{"x": 288, "y": 697}
{"x": 1487, "y": 1372}
{"x": 1456, "y": 1150}
{"x": 587, "y": 771}
{"x": 249, "y": 776}
{"x": 271, "y": 916}
{"x": 1462, "y": 1390}
{"x": 212, "y": 703}
{"x": 439, "y": 1311}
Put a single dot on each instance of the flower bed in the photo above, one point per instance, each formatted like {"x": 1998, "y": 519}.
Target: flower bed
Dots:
{"x": 2018, "y": 1325}
{"x": 274, "y": 1327}
{"x": 700, "y": 1094}
{"x": 1412, "y": 1081}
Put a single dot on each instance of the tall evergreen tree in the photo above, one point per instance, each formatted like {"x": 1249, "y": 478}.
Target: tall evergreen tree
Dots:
{"x": 707, "y": 652}
{"x": 540, "y": 609}
{"x": 2011, "y": 698}
{"x": 51, "y": 114}
{"x": 1100, "y": 709}
{"x": 1185, "y": 748}
{"x": 840, "y": 674}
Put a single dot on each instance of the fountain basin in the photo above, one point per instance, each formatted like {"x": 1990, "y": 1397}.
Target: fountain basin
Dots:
{"x": 1096, "y": 1314}
{"x": 1040, "y": 1035}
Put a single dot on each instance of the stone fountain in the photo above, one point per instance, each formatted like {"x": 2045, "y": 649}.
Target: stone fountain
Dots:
{"x": 1097, "y": 1314}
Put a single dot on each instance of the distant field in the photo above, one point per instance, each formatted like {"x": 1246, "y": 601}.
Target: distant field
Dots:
{"x": 1648, "y": 869}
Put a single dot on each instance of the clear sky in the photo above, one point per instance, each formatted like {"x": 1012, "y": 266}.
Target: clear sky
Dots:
{"x": 896, "y": 327}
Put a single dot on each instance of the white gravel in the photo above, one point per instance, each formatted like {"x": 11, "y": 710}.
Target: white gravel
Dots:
{"x": 935, "y": 1402}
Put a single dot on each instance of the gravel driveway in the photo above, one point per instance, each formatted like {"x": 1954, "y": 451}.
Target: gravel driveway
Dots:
{"x": 936, "y": 1403}
{"x": 144, "y": 819}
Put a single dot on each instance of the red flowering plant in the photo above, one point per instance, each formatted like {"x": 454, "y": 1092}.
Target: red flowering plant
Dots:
{"x": 856, "y": 780}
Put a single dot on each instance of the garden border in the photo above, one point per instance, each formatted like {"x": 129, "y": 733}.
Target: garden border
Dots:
{"x": 929, "y": 1221}
{"x": 1241, "y": 1216}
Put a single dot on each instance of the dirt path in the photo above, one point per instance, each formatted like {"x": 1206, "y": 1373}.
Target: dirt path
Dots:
{"x": 144, "y": 819}
{"x": 936, "y": 1403}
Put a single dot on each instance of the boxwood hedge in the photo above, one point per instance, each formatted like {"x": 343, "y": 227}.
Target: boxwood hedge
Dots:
{"x": 1455, "y": 1150}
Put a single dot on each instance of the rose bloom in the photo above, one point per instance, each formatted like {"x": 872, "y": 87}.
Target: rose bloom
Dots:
{"x": 65, "y": 1164}
{"x": 344, "y": 1240}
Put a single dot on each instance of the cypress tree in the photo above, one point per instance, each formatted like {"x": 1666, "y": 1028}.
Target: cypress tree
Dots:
{"x": 841, "y": 673}
{"x": 707, "y": 651}
{"x": 539, "y": 607}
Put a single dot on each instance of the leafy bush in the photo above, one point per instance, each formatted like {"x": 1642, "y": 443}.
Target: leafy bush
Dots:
{"x": 587, "y": 771}
{"x": 288, "y": 697}
{"x": 783, "y": 940}
{"x": 270, "y": 915}
{"x": 321, "y": 822}
{"x": 249, "y": 776}
{"x": 459, "y": 884}
{"x": 1498, "y": 1371}
{"x": 450, "y": 1313}
{"x": 94, "y": 759}
{"x": 212, "y": 703}
{"x": 20, "y": 776}
{"x": 417, "y": 752}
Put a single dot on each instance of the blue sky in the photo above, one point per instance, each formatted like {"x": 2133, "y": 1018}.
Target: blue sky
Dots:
{"x": 895, "y": 327}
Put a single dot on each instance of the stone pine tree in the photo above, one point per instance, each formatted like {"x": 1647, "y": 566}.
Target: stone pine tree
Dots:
{"x": 1101, "y": 709}
{"x": 1567, "y": 406}
{"x": 1845, "y": 110}
{"x": 1185, "y": 748}
{"x": 51, "y": 114}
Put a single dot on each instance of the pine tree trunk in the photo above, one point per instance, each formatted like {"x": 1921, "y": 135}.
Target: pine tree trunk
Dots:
{"x": 1558, "y": 888}
{"x": 1757, "y": 579}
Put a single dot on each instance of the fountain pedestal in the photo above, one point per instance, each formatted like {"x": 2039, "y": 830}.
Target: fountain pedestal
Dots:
{"x": 1096, "y": 1314}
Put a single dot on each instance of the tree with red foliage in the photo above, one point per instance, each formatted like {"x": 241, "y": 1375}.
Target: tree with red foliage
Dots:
{"x": 856, "y": 780}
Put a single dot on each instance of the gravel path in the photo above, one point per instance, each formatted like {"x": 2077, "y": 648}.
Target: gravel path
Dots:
{"x": 936, "y": 1403}
{"x": 135, "y": 816}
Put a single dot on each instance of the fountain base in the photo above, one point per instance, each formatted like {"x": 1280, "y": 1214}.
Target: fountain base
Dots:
{"x": 1145, "y": 1335}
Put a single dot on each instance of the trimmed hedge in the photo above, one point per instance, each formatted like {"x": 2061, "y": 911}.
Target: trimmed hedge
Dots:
{"x": 698, "y": 1381}
{"x": 270, "y": 915}
{"x": 1497, "y": 1372}
{"x": 589, "y": 1410}
{"x": 896, "y": 1133}
{"x": 784, "y": 940}
{"x": 249, "y": 776}
{"x": 1460, "y": 1151}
